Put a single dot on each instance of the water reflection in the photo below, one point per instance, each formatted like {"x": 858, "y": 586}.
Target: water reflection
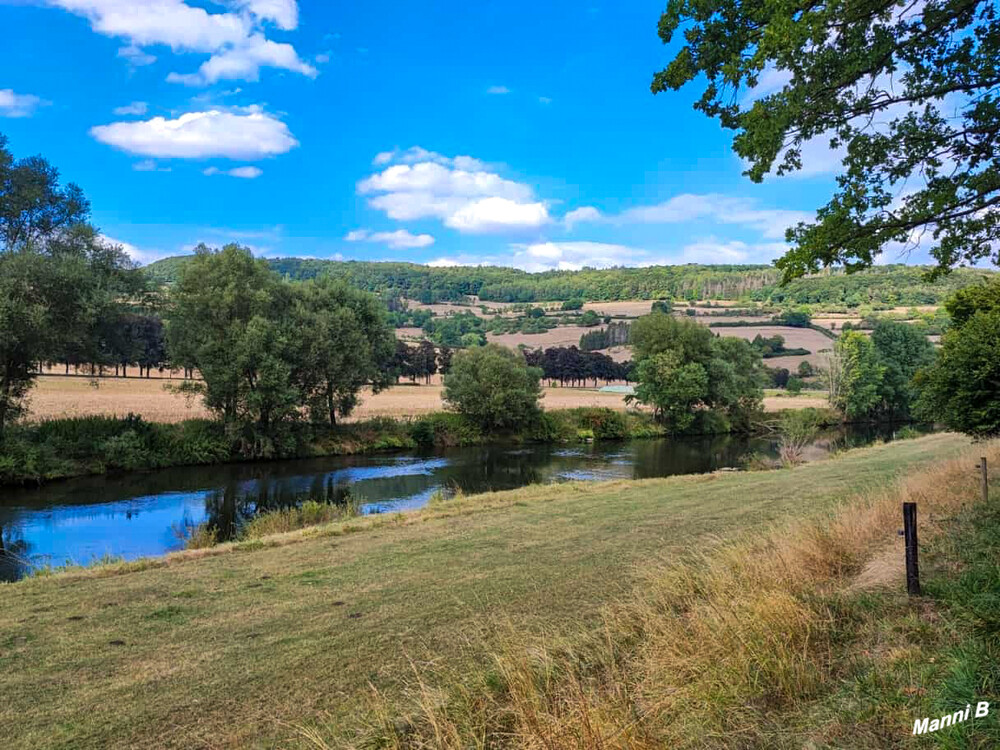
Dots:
{"x": 137, "y": 515}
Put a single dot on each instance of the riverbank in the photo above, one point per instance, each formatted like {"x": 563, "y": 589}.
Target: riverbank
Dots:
{"x": 36, "y": 453}
{"x": 247, "y": 644}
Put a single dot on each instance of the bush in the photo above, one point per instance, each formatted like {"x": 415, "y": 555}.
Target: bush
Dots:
{"x": 126, "y": 451}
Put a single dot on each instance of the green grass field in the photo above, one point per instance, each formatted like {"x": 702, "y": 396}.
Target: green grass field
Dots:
{"x": 241, "y": 648}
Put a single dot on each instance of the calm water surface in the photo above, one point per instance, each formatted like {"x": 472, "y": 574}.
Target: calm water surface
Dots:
{"x": 138, "y": 515}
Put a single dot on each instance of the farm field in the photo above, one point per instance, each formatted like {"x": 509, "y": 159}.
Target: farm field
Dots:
{"x": 249, "y": 648}
{"x": 795, "y": 338}
{"x": 558, "y": 336}
{"x": 58, "y": 397}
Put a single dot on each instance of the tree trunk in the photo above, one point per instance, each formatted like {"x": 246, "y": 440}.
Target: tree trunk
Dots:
{"x": 331, "y": 408}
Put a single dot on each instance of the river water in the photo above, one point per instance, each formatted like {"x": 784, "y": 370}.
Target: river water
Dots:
{"x": 142, "y": 514}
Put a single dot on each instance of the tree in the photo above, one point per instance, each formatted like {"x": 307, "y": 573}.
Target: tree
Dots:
{"x": 493, "y": 387}
{"x": 345, "y": 345}
{"x": 731, "y": 370}
{"x": 231, "y": 318}
{"x": 794, "y": 385}
{"x": 906, "y": 91}
{"x": 672, "y": 387}
{"x": 805, "y": 369}
{"x": 33, "y": 205}
{"x": 860, "y": 376}
{"x": 657, "y": 333}
{"x": 425, "y": 361}
{"x": 962, "y": 389}
{"x": 665, "y": 306}
{"x": 902, "y": 350}
{"x": 59, "y": 282}
{"x": 572, "y": 304}
{"x": 444, "y": 360}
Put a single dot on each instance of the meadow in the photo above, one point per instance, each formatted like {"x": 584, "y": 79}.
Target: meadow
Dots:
{"x": 298, "y": 640}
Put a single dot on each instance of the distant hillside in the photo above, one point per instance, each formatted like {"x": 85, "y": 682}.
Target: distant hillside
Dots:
{"x": 895, "y": 284}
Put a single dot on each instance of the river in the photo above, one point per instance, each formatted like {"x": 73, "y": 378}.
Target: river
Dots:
{"x": 136, "y": 515}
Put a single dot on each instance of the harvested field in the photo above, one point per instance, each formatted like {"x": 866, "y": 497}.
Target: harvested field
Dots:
{"x": 58, "y": 397}
{"x": 795, "y": 338}
{"x": 628, "y": 309}
{"x": 559, "y": 336}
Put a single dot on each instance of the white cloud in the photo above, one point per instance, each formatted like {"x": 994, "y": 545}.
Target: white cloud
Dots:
{"x": 235, "y": 40}
{"x": 244, "y": 61}
{"x": 283, "y": 13}
{"x": 714, "y": 251}
{"x": 498, "y": 90}
{"x": 135, "y": 108}
{"x": 245, "y": 134}
{"x": 580, "y": 215}
{"x": 572, "y": 256}
{"x": 498, "y": 215}
{"x": 459, "y": 191}
{"x": 136, "y": 56}
{"x": 148, "y": 165}
{"x": 770, "y": 222}
{"x": 322, "y": 58}
{"x": 246, "y": 173}
{"x": 142, "y": 257}
{"x": 401, "y": 239}
{"x": 19, "y": 105}
{"x": 544, "y": 100}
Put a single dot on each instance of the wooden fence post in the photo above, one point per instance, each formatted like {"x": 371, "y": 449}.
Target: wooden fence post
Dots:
{"x": 910, "y": 534}
{"x": 986, "y": 480}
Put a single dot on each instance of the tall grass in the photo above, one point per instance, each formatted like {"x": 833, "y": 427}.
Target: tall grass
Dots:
{"x": 770, "y": 641}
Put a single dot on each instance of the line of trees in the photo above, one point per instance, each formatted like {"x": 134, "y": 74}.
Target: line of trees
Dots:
{"x": 888, "y": 285}
{"x": 613, "y": 334}
{"x": 573, "y": 367}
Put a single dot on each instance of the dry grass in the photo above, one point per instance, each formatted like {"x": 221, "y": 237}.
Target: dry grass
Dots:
{"x": 627, "y": 309}
{"x": 739, "y": 645}
{"x": 58, "y": 397}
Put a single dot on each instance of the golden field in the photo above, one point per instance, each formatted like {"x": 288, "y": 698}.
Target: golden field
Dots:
{"x": 57, "y": 397}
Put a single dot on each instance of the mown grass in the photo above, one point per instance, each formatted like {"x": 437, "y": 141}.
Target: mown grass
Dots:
{"x": 798, "y": 638}
{"x": 253, "y": 643}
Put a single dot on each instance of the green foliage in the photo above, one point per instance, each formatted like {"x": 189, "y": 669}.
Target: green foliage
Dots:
{"x": 60, "y": 284}
{"x": 962, "y": 388}
{"x": 924, "y": 74}
{"x": 345, "y": 344}
{"x": 806, "y": 369}
{"x": 858, "y": 395}
{"x": 493, "y": 387}
{"x": 794, "y": 385}
{"x": 572, "y": 304}
{"x": 694, "y": 380}
{"x": 902, "y": 350}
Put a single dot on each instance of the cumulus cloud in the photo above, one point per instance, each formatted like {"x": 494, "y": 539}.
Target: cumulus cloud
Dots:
{"x": 235, "y": 40}
{"x": 246, "y": 173}
{"x": 244, "y": 61}
{"x": 498, "y": 90}
{"x": 245, "y": 134}
{"x": 460, "y": 191}
{"x": 722, "y": 209}
{"x": 19, "y": 105}
{"x": 135, "y": 108}
{"x": 401, "y": 239}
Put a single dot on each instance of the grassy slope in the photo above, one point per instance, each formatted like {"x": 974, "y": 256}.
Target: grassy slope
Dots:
{"x": 222, "y": 649}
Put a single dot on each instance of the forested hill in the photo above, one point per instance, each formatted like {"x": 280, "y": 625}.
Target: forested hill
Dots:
{"x": 895, "y": 284}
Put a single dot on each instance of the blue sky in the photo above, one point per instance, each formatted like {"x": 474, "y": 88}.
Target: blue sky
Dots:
{"x": 513, "y": 133}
